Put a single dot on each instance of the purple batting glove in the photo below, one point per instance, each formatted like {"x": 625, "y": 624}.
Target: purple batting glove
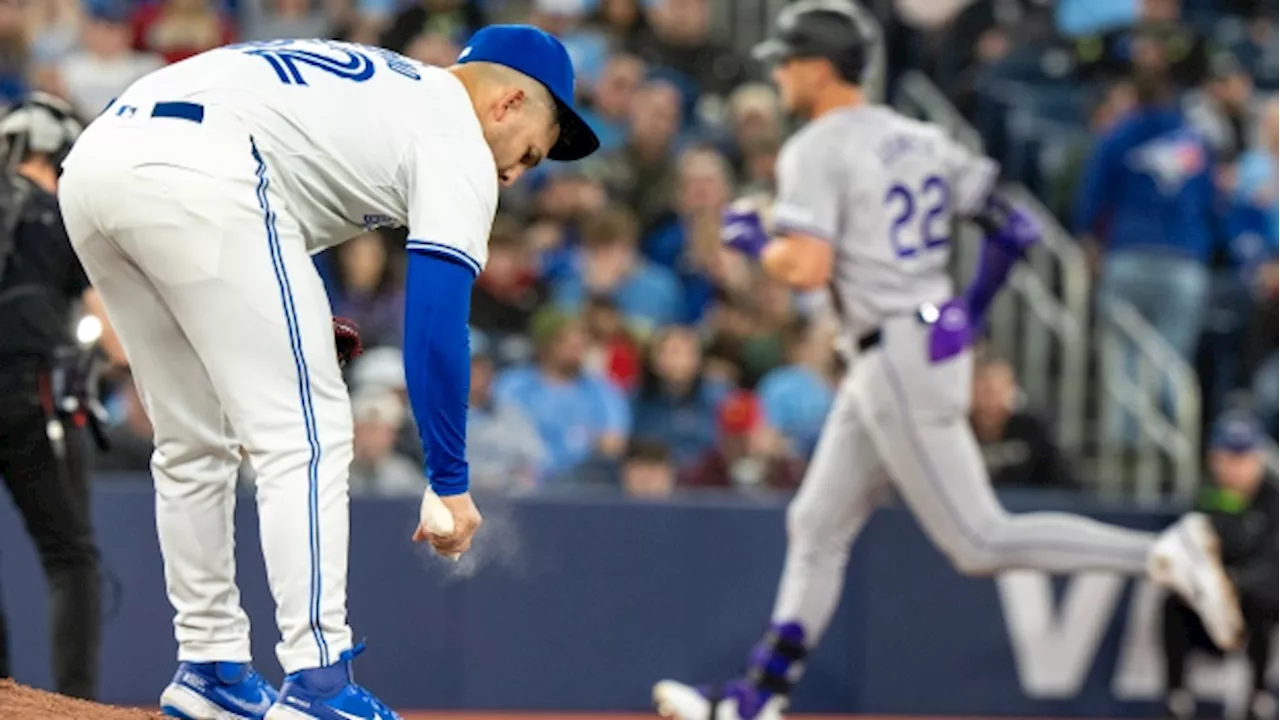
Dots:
{"x": 743, "y": 231}
{"x": 951, "y": 331}
{"x": 1017, "y": 230}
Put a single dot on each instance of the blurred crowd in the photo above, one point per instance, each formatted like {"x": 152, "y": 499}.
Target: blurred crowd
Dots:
{"x": 615, "y": 344}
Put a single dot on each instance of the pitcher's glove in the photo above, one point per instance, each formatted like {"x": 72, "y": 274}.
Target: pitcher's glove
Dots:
{"x": 346, "y": 335}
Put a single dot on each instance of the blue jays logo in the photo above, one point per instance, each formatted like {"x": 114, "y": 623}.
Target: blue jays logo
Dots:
{"x": 1171, "y": 160}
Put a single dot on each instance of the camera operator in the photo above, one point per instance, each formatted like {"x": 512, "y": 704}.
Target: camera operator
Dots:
{"x": 44, "y": 398}
{"x": 1241, "y": 502}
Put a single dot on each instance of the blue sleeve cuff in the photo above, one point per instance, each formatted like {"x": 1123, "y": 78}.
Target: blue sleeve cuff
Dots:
{"x": 443, "y": 250}
{"x": 437, "y": 360}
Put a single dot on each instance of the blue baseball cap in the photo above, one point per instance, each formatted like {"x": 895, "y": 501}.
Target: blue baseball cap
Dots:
{"x": 542, "y": 57}
{"x": 1236, "y": 432}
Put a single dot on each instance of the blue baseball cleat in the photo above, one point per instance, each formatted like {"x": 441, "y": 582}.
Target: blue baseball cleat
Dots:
{"x": 217, "y": 691}
{"x": 328, "y": 693}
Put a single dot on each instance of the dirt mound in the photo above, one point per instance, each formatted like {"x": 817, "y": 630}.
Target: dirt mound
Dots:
{"x": 24, "y": 703}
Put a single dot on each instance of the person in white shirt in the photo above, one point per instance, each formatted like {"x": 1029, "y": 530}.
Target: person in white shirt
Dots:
{"x": 194, "y": 203}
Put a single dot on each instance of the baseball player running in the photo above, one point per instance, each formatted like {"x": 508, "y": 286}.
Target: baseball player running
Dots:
{"x": 865, "y": 202}
{"x": 195, "y": 201}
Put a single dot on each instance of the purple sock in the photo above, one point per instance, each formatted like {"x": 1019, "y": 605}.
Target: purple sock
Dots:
{"x": 769, "y": 668}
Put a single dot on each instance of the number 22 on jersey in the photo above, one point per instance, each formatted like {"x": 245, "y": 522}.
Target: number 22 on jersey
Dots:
{"x": 923, "y": 220}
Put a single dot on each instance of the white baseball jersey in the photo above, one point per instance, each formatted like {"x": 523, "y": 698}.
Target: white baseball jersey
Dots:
{"x": 194, "y": 202}
{"x": 884, "y": 189}
{"x": 356, "y": 136}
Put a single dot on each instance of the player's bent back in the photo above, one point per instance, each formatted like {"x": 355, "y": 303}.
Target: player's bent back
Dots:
{"x": 341, "y": 126}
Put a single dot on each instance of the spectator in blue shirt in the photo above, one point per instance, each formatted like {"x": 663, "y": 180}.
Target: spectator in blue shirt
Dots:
{"x": 676, "y": 405}
{"x": 579, "y": 416}
{"x": 609, "y": 265}
{"x": 562, "y": 196}
{"x": 1148, "y": 200}
{"x": 797, "y": 396}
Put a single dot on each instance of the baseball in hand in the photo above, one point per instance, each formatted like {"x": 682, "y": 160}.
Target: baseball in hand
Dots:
{"x": 435, "y": 517}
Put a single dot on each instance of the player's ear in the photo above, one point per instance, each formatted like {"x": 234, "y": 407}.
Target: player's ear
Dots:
{"x": 513, "y": 99}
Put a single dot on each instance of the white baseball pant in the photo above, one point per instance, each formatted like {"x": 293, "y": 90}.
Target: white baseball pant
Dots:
{"x": 205, "y": 276}
{"x": 900, "y": 421}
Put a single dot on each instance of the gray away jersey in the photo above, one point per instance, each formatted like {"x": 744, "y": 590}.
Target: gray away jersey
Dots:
{"x": 884, "y": 189}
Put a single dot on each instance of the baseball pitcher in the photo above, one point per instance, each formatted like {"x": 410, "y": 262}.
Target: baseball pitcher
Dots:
{"x": 866, "y": 200}
{"x": 195, "y": 202}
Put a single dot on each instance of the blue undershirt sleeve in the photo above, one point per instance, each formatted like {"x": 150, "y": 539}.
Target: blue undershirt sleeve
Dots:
{"x": 437, "y": 362}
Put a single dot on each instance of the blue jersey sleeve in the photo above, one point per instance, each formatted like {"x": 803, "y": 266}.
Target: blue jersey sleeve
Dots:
{"x": 437, "y": 362}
